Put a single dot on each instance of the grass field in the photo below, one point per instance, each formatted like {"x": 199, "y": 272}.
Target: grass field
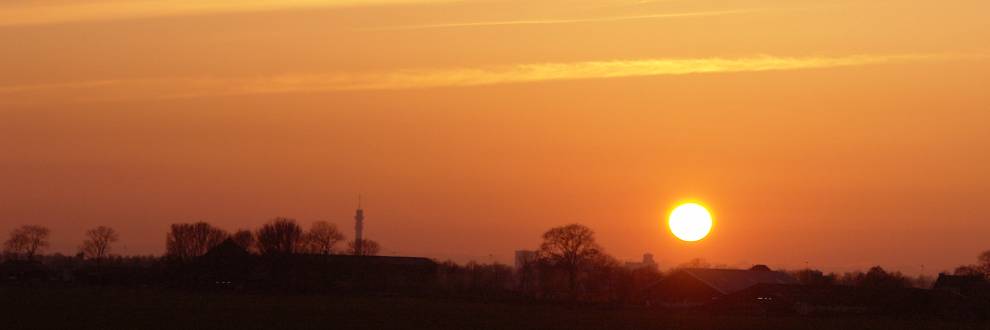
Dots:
{"x": 115, "y": 308}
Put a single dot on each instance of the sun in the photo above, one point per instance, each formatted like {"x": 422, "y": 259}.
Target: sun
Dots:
{"x": 690, "y": 222}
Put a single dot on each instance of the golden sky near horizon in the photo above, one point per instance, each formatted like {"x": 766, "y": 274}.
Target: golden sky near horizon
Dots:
{"x": 842, "y": 134}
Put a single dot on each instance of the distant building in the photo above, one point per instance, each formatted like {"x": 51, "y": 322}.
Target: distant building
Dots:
{"x": 700, "y": 286}
{"x": 646, "y": 263}
{"x": 524, "y": 257}
{"x": 225, "y": 251}
{"x": 227, "y": 265}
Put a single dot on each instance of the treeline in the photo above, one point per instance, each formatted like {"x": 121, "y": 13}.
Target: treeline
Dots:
{"x": 185, "y": 241}
{"x": 568, "y": 265}
{"x": 280, "y": 236}
{"x": 276, "y": 251}
{"x": 875, "y": 277}
{"x": 27, "y": 242}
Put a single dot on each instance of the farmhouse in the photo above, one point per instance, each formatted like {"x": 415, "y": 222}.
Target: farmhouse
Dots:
{"x": 229, "y": 265}
{"x": 700, "y": 286}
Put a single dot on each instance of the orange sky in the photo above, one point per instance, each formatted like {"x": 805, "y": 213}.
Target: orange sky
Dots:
{"x": 839, "y": 133}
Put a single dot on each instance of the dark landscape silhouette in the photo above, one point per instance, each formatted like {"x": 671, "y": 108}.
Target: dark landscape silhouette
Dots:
{"x": 569, "y": 272}
{"x": 494, "y": 164}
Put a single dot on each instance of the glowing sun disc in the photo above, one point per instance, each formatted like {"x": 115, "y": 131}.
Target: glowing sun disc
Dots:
{"x": 690, "y": 222}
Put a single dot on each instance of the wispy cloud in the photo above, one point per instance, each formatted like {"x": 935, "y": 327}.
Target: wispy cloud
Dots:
{"x": 166, "y": 88}
{"x": 565, "y": 21}
{"x": 105, "y": 10}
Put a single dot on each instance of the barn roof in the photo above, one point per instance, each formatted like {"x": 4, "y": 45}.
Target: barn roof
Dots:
{"x": 381, "y": 260}
{"x": 727, "y": 281}
{"x": 225, "y": 250}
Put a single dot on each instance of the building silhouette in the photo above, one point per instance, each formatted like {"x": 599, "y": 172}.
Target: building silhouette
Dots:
{"x": 699, "y": 286}
{"x": 646, "y": 263}
{"x": 231, "y": 266}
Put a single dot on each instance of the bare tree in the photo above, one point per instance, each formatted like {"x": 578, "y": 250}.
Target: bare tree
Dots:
{"x": 572, "y": 248}
{"x": 279, "y": 237}
{"x": 27, "y": 241}
{"x": 368, "y": 248}
{"x": 322, "y": 237}
{"x": 186, "y": 241}
{"x": 244, "y": 238}
{"x": 97, "y": 243}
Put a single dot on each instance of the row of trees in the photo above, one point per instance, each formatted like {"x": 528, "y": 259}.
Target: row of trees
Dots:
{"x": 571, "y": 250}
{"x": 185, "y": 241}
{"x": 875, "y": 277}
{"x": 280, "y": 236}
{"x": 569, "y": 260}
{"x": 981, "y": 268}
{"x": 27, "y": 242}
{"x": 571, "y": 265}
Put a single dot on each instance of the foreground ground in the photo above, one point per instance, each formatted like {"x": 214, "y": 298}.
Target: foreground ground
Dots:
{"x": 110, "y": 308}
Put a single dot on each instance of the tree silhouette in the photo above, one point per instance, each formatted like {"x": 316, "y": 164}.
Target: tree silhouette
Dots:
{"x": 27, "y": 241}
{"x": 97, "y": 243}
{"x": 244, "y": 238}
{"x": 968, "y": 270}
{"x": 814, "y": 277}
{"x": 368, "y": 248}
{"x": 983, "y": 262}
{"x": 572, "y": 248}
{"x": 186, "y": 241}
{"x": 981, "y": 268}
{"x": 877, "y": 277}
{"x": 281, "y": 236}
{"x": 322, "y": 237}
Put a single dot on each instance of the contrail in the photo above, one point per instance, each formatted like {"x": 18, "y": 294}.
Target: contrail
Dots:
{"x": 188, "y": 87}
{"x": 108, "y": 10}
{"x": 564, "y": 21}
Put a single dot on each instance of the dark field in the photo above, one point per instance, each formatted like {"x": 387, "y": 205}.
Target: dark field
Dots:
{"x": 111, "y": 308}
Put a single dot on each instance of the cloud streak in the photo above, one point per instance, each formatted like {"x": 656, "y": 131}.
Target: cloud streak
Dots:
{"x": 108, "y": 10}
{"x": 564, "y": 21}
{"x": 186, "y": 87}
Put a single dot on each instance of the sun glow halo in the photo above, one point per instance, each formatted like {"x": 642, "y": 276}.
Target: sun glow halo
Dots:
{"x": 690, "y": 222}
